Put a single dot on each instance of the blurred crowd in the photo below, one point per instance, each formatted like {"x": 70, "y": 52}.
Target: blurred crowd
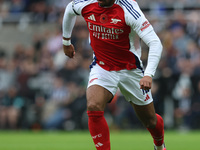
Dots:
{"x": 40, "y": 88}
{"x": 50, "y": 10}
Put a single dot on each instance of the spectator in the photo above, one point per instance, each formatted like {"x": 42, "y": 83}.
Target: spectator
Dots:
{"x": 10, "y": 109}
{"x": 193, "y": 118}
{"x": 55, "y": 111}
{"x": 183, "y": 93}
{"x": 7, "y": 75}
{"x": 17, "y": 6}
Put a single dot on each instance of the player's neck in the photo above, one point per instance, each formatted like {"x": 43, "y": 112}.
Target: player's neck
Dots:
{"x": 106, "y": 3}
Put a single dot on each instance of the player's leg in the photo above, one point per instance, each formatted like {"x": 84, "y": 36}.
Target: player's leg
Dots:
{"x": 152, "y": 121}
{"x": 97, "y": 98}
{"x": 102, "y": 86}
{"x": 142, "y": 102}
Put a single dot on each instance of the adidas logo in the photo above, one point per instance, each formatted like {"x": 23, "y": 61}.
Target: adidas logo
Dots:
{"x": 92, "y": 17}
{"x": 147, "y": 98}
{"x": 98, "y": 144}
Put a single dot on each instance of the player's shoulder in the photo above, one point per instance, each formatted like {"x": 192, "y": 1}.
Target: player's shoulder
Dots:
{"x": 127, "y": 2}
{"x": 78, "y": 5}
{"x": 131, "y": 8}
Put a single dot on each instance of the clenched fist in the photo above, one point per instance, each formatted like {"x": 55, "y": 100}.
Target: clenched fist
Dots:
{"x": 69, "y": 51}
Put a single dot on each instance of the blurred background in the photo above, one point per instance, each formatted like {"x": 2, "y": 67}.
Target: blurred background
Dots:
{"x": 41, "y": 89}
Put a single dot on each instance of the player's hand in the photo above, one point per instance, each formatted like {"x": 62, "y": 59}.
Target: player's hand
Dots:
{"x": 145, "y": 83}
{"x": 69, "y": 51}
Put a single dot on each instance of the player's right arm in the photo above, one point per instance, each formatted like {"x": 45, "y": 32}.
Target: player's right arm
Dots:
{"x": 73, "y": 9}
{"x": 69, "y": 20}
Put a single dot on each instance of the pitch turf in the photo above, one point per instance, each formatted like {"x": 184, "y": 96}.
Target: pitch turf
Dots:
{"x": 80, "y": 140}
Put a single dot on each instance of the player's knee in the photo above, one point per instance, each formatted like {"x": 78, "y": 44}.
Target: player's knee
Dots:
{"x": 151, "y": 123}
{"x": 94, "y": 106}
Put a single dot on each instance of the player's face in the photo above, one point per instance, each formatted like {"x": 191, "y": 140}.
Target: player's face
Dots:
{"x": 106, "y": 3}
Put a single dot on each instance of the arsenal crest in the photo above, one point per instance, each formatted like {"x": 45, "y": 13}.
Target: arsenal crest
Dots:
{"x": 103, "y": 18}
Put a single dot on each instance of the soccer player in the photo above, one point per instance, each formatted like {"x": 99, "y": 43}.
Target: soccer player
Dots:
{"x": 116, "y": 27}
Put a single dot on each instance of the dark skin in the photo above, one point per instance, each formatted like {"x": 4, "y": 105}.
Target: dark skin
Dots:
{"x": 69, "y": 50}
{"x": 106, "y": 3}
{"x": 98, "y": 97}
{"x": 145, "y": 82}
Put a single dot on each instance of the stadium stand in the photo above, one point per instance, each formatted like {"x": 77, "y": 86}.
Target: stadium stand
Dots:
{"x": 38, "y": 82}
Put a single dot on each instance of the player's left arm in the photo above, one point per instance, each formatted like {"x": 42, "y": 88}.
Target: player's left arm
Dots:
{"x": 155, "y": 51}
{"x": 146, "y": 32}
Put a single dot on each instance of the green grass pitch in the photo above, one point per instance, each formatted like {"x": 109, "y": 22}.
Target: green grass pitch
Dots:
{"x": 81, "y": 140}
